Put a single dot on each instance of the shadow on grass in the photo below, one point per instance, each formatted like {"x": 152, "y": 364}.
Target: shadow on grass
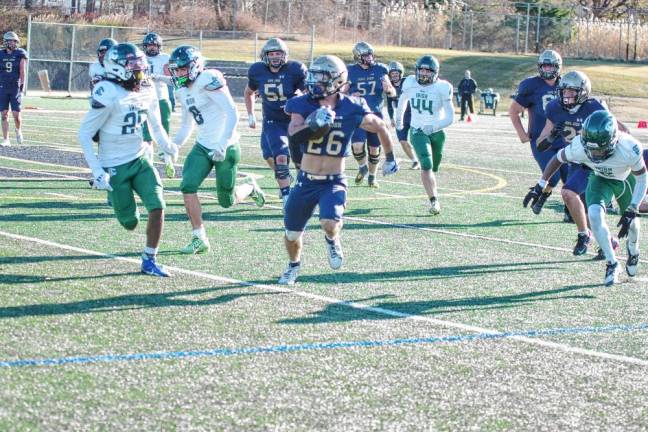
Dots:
{"x": 342, "y": 313}
{"x": 130, "y": 302}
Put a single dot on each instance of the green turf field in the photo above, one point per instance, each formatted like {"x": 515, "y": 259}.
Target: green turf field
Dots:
{"x": 477, "y": 319}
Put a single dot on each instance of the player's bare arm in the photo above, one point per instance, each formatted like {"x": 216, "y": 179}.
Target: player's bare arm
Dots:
{"x": 515, "y": 111}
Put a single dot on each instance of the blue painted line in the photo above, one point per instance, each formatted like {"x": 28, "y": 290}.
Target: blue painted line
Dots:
{"x": 227, "y": 352}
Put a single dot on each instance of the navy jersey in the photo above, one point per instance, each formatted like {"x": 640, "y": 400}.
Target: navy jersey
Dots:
{"x": 392, "y": 103}
{"x": 276, "y": 88}
{"x": 534, "y": 93}
{"x": 368, "y": 82}
{"x": 572, "y": 123}
{"x": 10, "y": 67}
{"x": 349, "y": 114}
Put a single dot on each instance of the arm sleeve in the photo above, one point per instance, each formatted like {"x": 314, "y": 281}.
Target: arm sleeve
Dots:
{"x": 91, "y": 123}
{"x": 186, "y": 127}
{"x": 403, "y": 100}
{"x": 223, "y": 98}
{"x": 155, "y": 126}
{"x": 448, "y": 116}
{"x": 639, "y": 190}
{"x": 390, "y": 106}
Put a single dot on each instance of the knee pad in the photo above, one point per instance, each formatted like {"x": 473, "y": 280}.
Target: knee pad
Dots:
{"x": 225, "y": 197}
{"x": 426, "y": 163}
{"x": 294, "y": 235}
{"x": 374, "y": 159}
{"x": 282, "y": 172}
{"x": 360, "y": 155}
{"x": 129, "y": 223}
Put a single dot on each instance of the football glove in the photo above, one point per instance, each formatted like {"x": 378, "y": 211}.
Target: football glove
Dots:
{"x": 217, "y": 155}
{"x": 172, "y": 151}
{"x": 390, "y": 167}
{"x": 324, "y": 116}
{"x": 556, "y": 133}
{"x": 626, "y": 220}
{"x": 536, "y": 197}
{"x": 102, "y": 181}
{"x": 169, "y": 168}
{"x": 251, "y": 121}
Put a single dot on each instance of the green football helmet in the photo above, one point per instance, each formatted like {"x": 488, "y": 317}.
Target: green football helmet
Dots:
{"x": 103, "y": 47}
{"x": 185, "y": 56}
{"x": 577, "y": 81}
{"x": 326, "y": 76}
{"x": 599, "y": 135}
{"x": 125, "y": 64}
{"x": 152, "y": 44}
{"x": 430, "y": 63}
{"x": 363, "y": 53}
{"x": 274, "y": 45}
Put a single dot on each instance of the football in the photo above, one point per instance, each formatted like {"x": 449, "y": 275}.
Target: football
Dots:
{"x": 319, "y": 132}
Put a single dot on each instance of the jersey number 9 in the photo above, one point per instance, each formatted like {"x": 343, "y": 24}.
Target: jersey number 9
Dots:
{"x": 333, "y": 145}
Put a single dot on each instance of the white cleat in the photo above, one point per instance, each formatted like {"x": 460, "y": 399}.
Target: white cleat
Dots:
{"x": 611, "y": 274}
{"x": 5, "y": 143}
{"x": 435, "y": 207}
{"x": 19, "y": 137}
{"x": 289, "y": 276}
{"x": 334, "y": 253}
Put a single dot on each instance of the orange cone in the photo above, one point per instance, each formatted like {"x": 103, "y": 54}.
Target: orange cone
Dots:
{"x": 469, "y": 119}
{"x": 642, "y": 124}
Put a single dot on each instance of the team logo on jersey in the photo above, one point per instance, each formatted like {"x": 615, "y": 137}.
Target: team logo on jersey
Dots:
{"x": 191, "y": 101}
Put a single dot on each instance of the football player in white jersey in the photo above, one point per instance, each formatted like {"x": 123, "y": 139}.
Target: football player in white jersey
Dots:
{"x": 613, "y": 156}
{"x": 96, "y": 70}
{"x": 121, "y": 102}
{"x": 158, "y": 71}
{"x": 207, "y": 102}
{"x": 430, "y": 100}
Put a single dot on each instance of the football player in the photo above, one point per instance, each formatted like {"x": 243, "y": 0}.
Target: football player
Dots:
{"x": 206, "y": 102}
{"x": 397, "y": 76}
{"x": 276, "y": 79}
{"x": 370, "y": 81}
{"x": 322, "y": 122}
{"x": 533, "y": 94}
{"x": 565, "y": 116}
{"x": 96, "y": 70}
{"x": 161, "y": 77}
{"x": 120, "y": 103}
{"x": 612, "y": 156}
{"x": 13, "y": 61}
{"x": 430, "y": 99}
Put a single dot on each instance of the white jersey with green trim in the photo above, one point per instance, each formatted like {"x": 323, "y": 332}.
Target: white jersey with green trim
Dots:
{"x": 209, "y": 104}
{"x": 96, "y": 72}
{"x": 426, "y": 101}
{"x": 627, "y": 157}
{"x": 118, "y": 115}
{"x": 156, "y": 67}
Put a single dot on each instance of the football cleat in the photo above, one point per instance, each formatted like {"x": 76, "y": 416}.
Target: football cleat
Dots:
{"x": 289, "y": 276}
{"x": 615, "y": 247}
{"x": 435, "y": 207}
{"x": 415, "y": 165}
{"x": 611, "y": 274}
{"x": 196, "y": 246}
{"x": 537, "y": 207}
{"x": 19, "y": 137}
{"x": 632, "y": 264}
{"x": 5, "y": 143}
{"x": 257, "y": 194}
{"x": 362, "y": 172}
{"x": 334, "y": 253}
{"x": 371, "y": 182}
{"x": 151, "y": 268}
{"x": 582, "y": 243}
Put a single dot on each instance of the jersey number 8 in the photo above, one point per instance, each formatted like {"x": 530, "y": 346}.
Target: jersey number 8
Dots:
{"x": 333, "y": 145}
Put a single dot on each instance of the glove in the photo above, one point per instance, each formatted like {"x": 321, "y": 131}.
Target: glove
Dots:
{"x": 102, "y": 181}
{"x": 324, "y": 116}
{"x": 536, "y": 197}
{"x": 217, "y": 155}
{"x": 626, "y": 220}
{"x": 251, "y": 120}
{"x": 555, "y": 133}
{"x": 169, "y": 168}
{"x": 390, "y": 167}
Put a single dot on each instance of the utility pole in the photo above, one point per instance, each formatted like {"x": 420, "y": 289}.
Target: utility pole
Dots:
{"x": 526, "y": 37}
{"x": 234, "y": 10}
{"x": 452, "y": 5}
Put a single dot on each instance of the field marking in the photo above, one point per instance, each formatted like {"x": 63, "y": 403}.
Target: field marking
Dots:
{"x": 318, "y": 346}
{"x": 59, "y": 195}
{"x": 350, "y": 304}
{"x": 55, "y": 176}
{"x": 49, "y": 164}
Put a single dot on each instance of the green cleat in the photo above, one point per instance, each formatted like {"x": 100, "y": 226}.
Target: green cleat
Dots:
{"x": 196, "y": 246}
{"x": 257, "y": 193}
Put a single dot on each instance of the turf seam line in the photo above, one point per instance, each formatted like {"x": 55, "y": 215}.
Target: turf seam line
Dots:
{"x": 353, "y": 305}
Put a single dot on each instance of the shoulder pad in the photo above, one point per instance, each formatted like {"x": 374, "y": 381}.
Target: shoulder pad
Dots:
{"x": 214, "y": 80}
{"x": 102, "y": 94}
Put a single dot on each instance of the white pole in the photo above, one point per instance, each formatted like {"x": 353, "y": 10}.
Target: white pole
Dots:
{"x": 71, "y": 59}
{"x": 526, "y": 37}
{"x": 200, "y": 40}
{"x": 312, "y": 43}
{"x": 29, "y": 27}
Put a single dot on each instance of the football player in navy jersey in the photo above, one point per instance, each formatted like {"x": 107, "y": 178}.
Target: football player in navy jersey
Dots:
{"x": 369, "y": 80}
{"x": 322, "y": 122}
{"x": 13, "y": 61}
{"x": 533, "y": 94}
{"x": 276, "y": 79}
{"x": 396, "y": 76}
{"x": 565, "y": 117}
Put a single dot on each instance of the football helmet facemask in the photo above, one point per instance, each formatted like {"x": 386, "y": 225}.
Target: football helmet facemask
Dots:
{"x": 185, "y": 64}
{"x": 152, "y": 44}
{"x": 326, "y": 76}
{"x": 427, "y": 70}
{"x": 363, "y": 54}
{"x": 574, "y": 89}
{"x": 274, "y": 45}
{"x": 396, "y": 71}
{"x": 125, "y": 64}
{"x": 549, "y": 64}
{"x": 11, "y": 40}
{"x": 599, "y": 135}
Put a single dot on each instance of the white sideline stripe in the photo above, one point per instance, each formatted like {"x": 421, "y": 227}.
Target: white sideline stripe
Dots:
{"x": 353, "y": 305}
{"x": 61, "y": 195}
